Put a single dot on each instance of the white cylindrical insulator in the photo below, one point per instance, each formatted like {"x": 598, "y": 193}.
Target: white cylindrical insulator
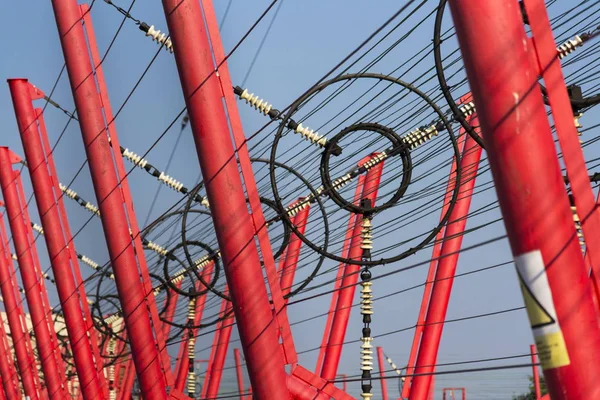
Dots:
{"x": 191, "y": 347}
{"x": 202, "y": 262}
{"x": 92, "y": 208}
{"x": 366, "y": 354}
{"x": 419, "y": 136}
{"x": 366, "y": 299}
{"x": 191, "y": 383}
{"x": 191, "y": 309}
{"x": 259, "y": 104}
{"x": 112, "y": 394}
{"x": 467, "y": 109}
{"x": 158, "y": 249}
{"x": 205, "y": 202}
{"x": 170, "y": 182}
{"x": 38, "y": 228}
{"x": 366, "y": 395}
{"x": 366, "y": 234}
{"x": 90, "y": 262}
{"x": 113, "y": 318}
{"x": 297, "y": 207}
{"x": 14, "y": 257}
{"x": 136, "y": 160}
{"x": 341, "y": 181}
{"x": 311, "y": 135}
{"x": 111, "y": 373}
{"x": 160, "y": 38}
{"x": 70, "y": 193}
{"x": 569, "y": 46}
{"x": 375, "y": 160}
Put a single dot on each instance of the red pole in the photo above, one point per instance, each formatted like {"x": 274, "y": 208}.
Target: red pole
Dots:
{"x": 43, "y": 326}
{"x": 444, "y": 276}
{"x": 233, "y": 225}
{"x": 239, "y": 374}
{"x": 216, "y": 368}
{"x": 380, "y": 358}
{"x": 536, "y": 372}
{"x": 338, "y": 279}
{"x": 170, "y": 311}
{"x": 435, "y": 254}
{"x": 532, "y": 196}
{"x": 115, "y": 224}
{"x": 292, "y": 253}
{"x": 41, "y": 174}
{"x": 343, "y": 308}
{"x": 16, "y": 318}
{"x": 181, "y": 368}
{"x": 8, "y": 372}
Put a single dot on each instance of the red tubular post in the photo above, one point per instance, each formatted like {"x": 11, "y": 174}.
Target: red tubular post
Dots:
{"x": 16, "y": 318}
{"x": 292, "y": 253}
{"x": 531, "y": 193}
{"x": 8, "y": 373}
{"x": 444, "y": 276}
{"x": 380, "y": 358}
{"x": 43, "y": 324}
{"x": 220, "y": 351}
{"x": 238, "y": 372}
{"x": 338, "y": 279}
{"x": 343, "y": 308}
{"x": 170, "y": 311}
{"x": 233, "y": 225}
{"x": 41, "y": 174}
{"x": 435, "y": 254}
{"x": 115, "y": 224}
{"x": 536, "y": 372}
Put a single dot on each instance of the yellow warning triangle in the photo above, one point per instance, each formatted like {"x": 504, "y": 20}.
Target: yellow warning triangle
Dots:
{"x": 538, "y": 316}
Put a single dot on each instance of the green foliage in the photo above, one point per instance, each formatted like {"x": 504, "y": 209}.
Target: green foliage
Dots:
{"x": 531, "y": 394}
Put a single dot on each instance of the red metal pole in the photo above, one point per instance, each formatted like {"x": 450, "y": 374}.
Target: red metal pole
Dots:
{"x": 338, "y": 279}
{"x": 8, "y": 372}
{"x": 233, "y": 225}
{"x": 42, "y": 175}
{"x": 532, "y": 196}
{"x": 216, "y": 368}
{"x": 181, "y": 367}
{"x": 292, "y": 253}
{"x": 43, "y": 326}
{"x": 170, "y": 311}
{"x": 16, "y": 318}
{"x": 115, "y": 224}
{"x": 536, "y": 372}
{"x": 444, "y": 276}
{"x": 238, "y": 372}
{"x": 341, "y": 315}
{"x": 435, "y": 254}
{"x": 380, "y": 358}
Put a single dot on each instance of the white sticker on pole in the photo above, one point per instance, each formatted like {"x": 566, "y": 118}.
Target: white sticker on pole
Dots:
{"x": 548, "y": 336}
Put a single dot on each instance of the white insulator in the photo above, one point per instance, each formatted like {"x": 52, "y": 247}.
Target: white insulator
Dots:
{"x": 157, "y": 248}
{"x": 90, "y": 262}
{"x": 191, "y": 347}
{"x": 160, "y": 38}
{"x": 38, "y": 228}
{"x": 575, "y": 215}
{"x": 341, "y": 181}
{"x": 577, "y": 123}
{"x": 394, "y": 366}
{"x": 92, "y": 208}
{"x": 467, "y": 109}
{"x": 366, "y": 234}
{"x": 205, "y": 202}
{"x": 14, "y": 257}
{"x": 297, "y": 207}
{"x": 170, "y": 181}
{"x": 192, "y": 309}
{"x": 366, "y": 302}
{"x": 111, "y": 373}
{"x": 569, "y": 46}
{"x": 69, "y": 192}
{"x": 191, "y": 384}
{"x": 419, "y": 136}
{"x": 366, "y": 395}
{"x": 375, "y": 160}
{"x": 113, "y": 318}
{"x": 112, "y": 346}
{"x": 256, "y": 102}
{"x": 90, "y": 301}
{"x": 112, "y": 394}
{"x": 366, "y": 354}
{"x": 136, "y": 160}
{"x": 311, "y": 135}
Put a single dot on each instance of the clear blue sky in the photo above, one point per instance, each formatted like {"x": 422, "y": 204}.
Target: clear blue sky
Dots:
{"x": 307, "y": 39}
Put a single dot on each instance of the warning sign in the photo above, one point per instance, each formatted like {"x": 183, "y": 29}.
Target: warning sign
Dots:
{"x": 548, "y": 336}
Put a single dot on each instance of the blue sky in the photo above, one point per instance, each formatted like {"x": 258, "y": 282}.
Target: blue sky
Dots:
{"x": 306, "y": 40}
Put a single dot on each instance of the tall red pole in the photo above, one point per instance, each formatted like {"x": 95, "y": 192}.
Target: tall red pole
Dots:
{"x": 8, "y": 372}
{"x": 338, "y": 279}
{"x": 536, "y": 372}
{"x": 444, "y": 276}
{"x": 238, "y": 372}
{"x": 115, "y": 221}
{"x": 233, "y": 225}
{"x": 292, "y": 253}
{"x": 43, "y": 325}
{"x": 16, "y": 318}
{"x": 532, "y": 196}
{"x": 220, "y": 353}
{"x": 46, "y": 193}
{"x": 343, "y": 308}
{"x": 380, "y": 358}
